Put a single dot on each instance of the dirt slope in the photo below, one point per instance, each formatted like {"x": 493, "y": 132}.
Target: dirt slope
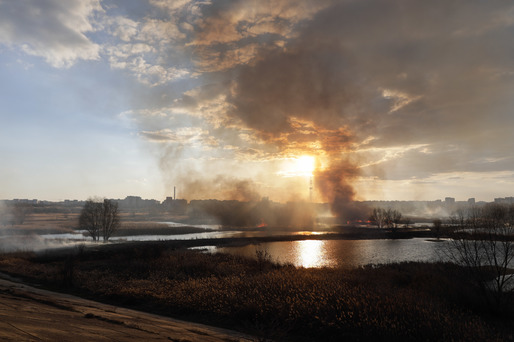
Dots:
{"x": 31, "y": 314}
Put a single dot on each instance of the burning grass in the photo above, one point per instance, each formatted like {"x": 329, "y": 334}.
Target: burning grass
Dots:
{"x": 401, "y": 301}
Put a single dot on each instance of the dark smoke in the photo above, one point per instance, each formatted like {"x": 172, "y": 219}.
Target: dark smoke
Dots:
{"x": 303, "y": 95}
{"x": 222, "y": 187}
{"x": 204, "y": 181}
{"x": 263, "y": 214}
{"x": 331, "y": 78}
{"x": 335, "y": 185}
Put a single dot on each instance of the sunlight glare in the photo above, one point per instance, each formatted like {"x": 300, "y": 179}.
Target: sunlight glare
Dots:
{"x": 302, "y": 166}
{"x": 305, "y": 164}
{"x": 311, "y": 253}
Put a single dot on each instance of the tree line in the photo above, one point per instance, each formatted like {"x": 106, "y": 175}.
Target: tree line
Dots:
{"x": 386, "y": 218}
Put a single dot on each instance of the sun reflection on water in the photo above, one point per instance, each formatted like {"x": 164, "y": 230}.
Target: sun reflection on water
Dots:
{"x": 311, "y": 253}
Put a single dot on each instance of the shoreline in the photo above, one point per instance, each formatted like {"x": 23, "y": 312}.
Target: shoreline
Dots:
{"x": 345, "y": 233}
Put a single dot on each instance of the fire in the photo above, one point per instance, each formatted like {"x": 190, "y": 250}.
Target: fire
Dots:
{"x": 262, "y": 224}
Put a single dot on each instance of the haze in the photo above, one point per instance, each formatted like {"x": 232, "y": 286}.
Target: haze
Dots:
{"x": 403, "y": 99}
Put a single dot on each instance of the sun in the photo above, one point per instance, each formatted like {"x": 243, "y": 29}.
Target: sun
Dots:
{"x": 302, "y": 166}
{"x": 305, "y": 165}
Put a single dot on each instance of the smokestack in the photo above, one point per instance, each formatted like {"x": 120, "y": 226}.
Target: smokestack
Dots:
{"x": 174, "y": 197}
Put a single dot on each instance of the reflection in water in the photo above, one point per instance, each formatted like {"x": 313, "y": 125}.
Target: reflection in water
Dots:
{"x": 310, "y": 253}
{"x": 344, "y": 253}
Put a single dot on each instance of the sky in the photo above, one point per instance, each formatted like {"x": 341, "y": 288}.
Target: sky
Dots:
{"x": 366, "y": 99}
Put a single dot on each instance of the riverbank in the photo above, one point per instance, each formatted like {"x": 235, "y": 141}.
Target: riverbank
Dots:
{"x": 406, "y": 301}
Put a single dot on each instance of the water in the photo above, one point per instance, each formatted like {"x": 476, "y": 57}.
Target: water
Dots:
{"x": 306, "y": 253}
{"x": 343, "y": 253}
{"x": 216, "y": 234}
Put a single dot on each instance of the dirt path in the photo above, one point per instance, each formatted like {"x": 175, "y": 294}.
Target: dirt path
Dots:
{"x": 31, "y": 314}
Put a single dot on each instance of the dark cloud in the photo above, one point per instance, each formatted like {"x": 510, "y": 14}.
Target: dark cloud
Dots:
{"x": 399, "y": 72}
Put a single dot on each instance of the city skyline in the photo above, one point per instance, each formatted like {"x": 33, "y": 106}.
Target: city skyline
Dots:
{"x": 136, "y": 199}
{"x": 371, "y": 100}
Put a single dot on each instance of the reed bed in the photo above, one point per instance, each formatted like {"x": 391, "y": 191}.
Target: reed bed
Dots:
{"x": 406, "y": 301}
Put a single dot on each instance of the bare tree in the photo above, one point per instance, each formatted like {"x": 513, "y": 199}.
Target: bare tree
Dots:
{"x": 110, "y": 219}
{"x": 90, "y": 218}
{"x": 386, "y": 218}
{"x": 483, "y": 242}
{"x": 379, "y": 216}
{"x": 393, "y": 218}
{"x": 437, "y": 228}
{"x": 100, "y": 219}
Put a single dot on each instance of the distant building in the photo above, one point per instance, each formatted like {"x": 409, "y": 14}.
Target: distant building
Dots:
{"x": 25, "y": 201}
{"x": 506, "y": 200}
{"x": 135, "y": 203}
{"x": 175, "y": 206}
{"x": 449, "y": 200}
{"x": 471, "y": 201}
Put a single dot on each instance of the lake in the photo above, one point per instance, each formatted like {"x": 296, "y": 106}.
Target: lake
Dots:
{"x": 305, "y": 253}
{"x": 343, "y": 253}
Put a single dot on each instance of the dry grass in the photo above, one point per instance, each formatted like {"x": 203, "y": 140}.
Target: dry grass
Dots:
{"x": 58, "y": 222}
{"x": 154, "y": 228}
{"x": 41, "y": 223}
{"x": 396, "y": 302}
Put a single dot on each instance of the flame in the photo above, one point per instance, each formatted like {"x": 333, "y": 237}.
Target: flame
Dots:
{"x": 262, "y": 224}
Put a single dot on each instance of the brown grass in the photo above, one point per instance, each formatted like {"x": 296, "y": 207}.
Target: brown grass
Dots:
{"x": 154, "y": 228}
{"x": 43, "y": 223}
{"x": 408, "y": 301}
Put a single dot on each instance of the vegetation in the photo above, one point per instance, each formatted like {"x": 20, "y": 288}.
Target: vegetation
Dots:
{"x": 100, "y": 219}
{"x": 389, "y": 218}
{"x": 392, "y": 302}
{"x": 483, "y": 241}
{"x": 437, "y": 228}
{"x": 128, "y": 228}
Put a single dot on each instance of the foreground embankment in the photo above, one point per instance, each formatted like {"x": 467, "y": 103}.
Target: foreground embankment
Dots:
{"x": 32, "y": 314}
{"x": 392, "y": 302}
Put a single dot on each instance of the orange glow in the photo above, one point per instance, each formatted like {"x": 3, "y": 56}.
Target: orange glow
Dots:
{"x": 302, "y": 166}
{"x": 262, "y": 224}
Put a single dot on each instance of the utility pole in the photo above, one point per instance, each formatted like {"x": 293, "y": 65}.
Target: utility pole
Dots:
{"x": 310, "y": 189}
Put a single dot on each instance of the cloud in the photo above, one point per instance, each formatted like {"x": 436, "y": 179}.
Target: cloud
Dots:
{"x": 52, "y": 29}
{"x": 230, "y": 33}
{"x": 148, "y": 49}
{"x": 180, "y": 135}
{"x": 396, "y": 90}
{"x": 331, "y": 78}
{"x": 403, "y": 72}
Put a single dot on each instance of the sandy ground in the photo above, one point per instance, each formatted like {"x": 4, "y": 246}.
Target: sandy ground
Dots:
{"x": 32, "y": 314}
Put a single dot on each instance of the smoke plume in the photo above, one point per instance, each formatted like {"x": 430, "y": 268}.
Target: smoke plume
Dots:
{"x": 402, "y": 84}
{"x": 305, "y": 99}
{"x": 335, "y": 183}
